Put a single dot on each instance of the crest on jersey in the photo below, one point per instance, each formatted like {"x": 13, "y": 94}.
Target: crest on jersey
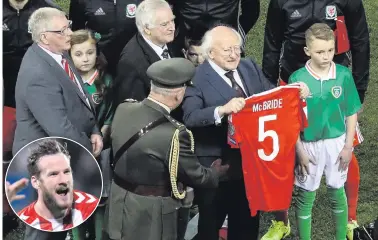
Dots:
{"x": 97, "y": 98}
{"x": 301, "y": 178}
{"x": 331, "y": 12}
{"x": 130, "y": 10}
{"x": 336, "y": 91}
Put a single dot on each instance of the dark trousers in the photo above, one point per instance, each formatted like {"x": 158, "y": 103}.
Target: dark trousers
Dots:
{"x": 183, "y": 219}
{"x": 228, "y": 199}
{"x": 35, "y": 234}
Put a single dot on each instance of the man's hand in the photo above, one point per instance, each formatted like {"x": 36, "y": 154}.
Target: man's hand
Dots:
{"x": 218, "y": 167}
{"x": 344, "y": 158}
{"x": 235, "y": 105}
{"x": 97, "y": 144}
{"x": 12, "y": 189}
{"x": 304, "y": 90}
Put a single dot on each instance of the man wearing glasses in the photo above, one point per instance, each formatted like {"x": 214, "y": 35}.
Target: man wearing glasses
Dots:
{"x": 50, "y": 98}
{"x": 16, "y": 40}
{"x": 221, "y": 84}
{"x": 156, "y": 28}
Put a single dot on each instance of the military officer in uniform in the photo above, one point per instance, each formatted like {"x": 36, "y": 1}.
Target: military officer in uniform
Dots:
{"x": 154, "y": 159}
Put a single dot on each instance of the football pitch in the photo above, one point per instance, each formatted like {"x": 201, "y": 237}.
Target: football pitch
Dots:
{"x": 367, "y": 153}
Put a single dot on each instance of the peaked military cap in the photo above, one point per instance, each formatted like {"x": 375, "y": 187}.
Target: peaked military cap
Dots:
{"x": 171, "y": 73}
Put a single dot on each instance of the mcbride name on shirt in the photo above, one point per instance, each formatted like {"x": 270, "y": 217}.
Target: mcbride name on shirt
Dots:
{"x": 267, "y": 105}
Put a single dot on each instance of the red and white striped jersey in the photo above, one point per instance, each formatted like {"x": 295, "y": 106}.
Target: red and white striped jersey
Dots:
{"x": 83, "y": 207}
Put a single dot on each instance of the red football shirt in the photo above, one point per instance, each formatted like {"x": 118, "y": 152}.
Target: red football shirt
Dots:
{"x": 84, "y": 205}
{"x": 266, "y": 131}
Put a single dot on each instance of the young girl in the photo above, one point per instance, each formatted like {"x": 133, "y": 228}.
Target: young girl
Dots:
{"x": 91, "y": 65}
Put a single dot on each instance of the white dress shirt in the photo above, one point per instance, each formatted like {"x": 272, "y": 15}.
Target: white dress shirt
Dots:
{"x": 159, "y": 50}
{"x": 221, "y": 72}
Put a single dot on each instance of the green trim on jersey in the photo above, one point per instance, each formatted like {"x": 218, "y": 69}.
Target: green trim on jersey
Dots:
{"x": 331, "y": 102}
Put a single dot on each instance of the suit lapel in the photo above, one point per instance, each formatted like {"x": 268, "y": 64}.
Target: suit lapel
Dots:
{"x": 61, "y": 73}
{"x": 218, "y": 82}
{"x": 149, "y": 53}
{"x": 245, "y": 80}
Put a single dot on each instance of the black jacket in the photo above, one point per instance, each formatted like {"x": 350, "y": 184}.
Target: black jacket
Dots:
{"x": 113, "y": 20}
{"x": 16, "y": 40}
{"x": 132, "y": 80}
{"x": 287, "y": 21}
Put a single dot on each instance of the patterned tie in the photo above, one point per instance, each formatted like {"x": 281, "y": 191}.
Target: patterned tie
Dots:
{"x": 235, "y": 85}
{"x": 68, "y": 70}
{"x": 71, "y": 75}
{"x": 165, "y": 54}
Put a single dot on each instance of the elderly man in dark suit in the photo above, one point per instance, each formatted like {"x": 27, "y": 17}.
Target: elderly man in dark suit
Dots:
{"x": 221, "y": 84}
{"x": 156, "y": 28}
{"x": 143, "y": 202}
{"x": 50, "y": 97}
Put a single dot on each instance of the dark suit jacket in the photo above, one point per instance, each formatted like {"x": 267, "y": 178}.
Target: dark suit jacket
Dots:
{"x": 210, "y": 91}
{"x": 132, "y": 80}
{"x": 48, "y": 103}
{"x": 146, "y": 161}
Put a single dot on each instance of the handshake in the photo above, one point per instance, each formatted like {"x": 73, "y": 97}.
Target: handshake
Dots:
{"x": 219, "y": 168}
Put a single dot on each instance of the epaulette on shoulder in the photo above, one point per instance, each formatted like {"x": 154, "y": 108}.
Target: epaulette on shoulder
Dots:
{"x": 175, "y": 123}
{"x": 129, "y": 100}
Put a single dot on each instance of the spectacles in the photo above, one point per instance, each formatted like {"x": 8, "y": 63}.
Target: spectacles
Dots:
{"x": 64, "y": 30}
{"x": 228, "y": 51}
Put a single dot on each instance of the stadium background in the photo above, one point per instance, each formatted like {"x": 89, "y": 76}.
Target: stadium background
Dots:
{"x": 367, "y": 153}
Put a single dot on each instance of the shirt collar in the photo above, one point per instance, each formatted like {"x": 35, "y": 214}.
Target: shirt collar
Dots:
{"x": 159, "y": 50}
{"x": 57, "y": 57}
{"x": 218, "y": 69}
{"x": 160, "y": 104}
{"x": 331, "y": 73}
{"x": 91, "y": 80}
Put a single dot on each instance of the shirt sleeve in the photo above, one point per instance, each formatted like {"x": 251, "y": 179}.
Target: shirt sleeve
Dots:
{"x": 217, "y": 118}
{"x": 352, "y": 103}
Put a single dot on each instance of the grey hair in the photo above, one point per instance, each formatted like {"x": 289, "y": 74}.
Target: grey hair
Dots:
{"x": 163, "y": 91}
{"x": 145, "y": 14}
{"x": 208, "y": 40}
{"x": 40, "y": 21}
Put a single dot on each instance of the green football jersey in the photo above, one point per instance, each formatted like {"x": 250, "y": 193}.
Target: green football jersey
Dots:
{"x": 330, "y": 102}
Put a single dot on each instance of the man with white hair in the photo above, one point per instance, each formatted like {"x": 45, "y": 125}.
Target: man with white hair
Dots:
{"x": 219, "y": 89}
{"x": 156, "y": 28}
{"x": 50, "y": 97}
{"x": 154, "y": 157}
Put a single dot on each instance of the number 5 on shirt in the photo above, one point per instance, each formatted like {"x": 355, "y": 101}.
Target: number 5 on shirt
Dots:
{"x": 269, "y": 133}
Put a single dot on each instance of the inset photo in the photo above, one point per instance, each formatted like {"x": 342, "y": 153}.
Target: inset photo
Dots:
{"x": 53, "y": 184}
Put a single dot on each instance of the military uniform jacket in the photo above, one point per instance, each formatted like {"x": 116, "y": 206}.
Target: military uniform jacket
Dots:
{"x": 130, "y": 216}
{"x": 146, "y": 161}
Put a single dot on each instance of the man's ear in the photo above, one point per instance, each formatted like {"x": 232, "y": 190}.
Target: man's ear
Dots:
{"x": 35, "y": 182}
{"x": 210, "y": 54}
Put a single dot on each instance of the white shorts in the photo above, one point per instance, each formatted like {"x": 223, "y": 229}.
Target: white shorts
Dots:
{"x": 325, "y": 153}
